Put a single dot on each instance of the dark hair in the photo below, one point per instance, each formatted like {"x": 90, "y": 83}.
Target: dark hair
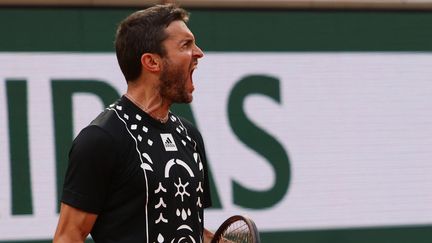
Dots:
{"x": 143, "y": 32}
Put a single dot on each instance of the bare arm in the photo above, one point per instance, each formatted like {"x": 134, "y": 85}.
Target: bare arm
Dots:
{"x": 208, "y": 236}
{"x": 74, "y": 225}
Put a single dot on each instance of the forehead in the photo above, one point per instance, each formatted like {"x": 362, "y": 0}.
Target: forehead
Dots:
{"x": 178, "y": 30}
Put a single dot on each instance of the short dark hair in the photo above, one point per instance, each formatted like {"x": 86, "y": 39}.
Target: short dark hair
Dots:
{"x": 143, "y": 32}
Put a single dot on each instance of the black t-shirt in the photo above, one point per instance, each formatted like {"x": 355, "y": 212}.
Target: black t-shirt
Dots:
{"x": 146, "y": 180}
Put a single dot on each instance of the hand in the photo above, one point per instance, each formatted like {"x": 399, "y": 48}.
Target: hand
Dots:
{"x": 208, "y": 236}
{"x": 223, "y": 240}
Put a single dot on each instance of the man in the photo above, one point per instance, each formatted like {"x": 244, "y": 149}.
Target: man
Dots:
{"x": 138, "y": 172}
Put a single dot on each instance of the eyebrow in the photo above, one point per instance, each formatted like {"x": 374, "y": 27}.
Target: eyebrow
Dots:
{"x": 187, "y": 40}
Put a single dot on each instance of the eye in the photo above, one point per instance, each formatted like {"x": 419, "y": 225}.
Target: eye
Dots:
{"x": 186, "y": 44}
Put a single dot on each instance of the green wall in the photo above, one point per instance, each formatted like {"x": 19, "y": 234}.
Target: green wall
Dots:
{"x": 92, "y": 30}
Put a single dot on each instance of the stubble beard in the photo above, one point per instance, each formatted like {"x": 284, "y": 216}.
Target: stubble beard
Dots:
{"x": 173, "y": 84}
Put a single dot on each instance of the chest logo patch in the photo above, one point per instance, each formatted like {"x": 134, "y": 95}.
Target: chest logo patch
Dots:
{"x": 168, "y": 142}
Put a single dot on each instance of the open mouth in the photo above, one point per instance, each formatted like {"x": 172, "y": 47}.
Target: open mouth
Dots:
{"x": 194, "y": 67}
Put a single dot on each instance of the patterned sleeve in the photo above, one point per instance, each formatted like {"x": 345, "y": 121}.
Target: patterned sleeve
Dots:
{"x": 91, "y": 161}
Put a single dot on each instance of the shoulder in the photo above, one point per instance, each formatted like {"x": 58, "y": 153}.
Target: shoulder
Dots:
{"x": 193, "y": 132}
{"x": 186, "y": 123}
{"x": 109, "y": 126}
{"x": 191, "y": 128}
{"x": 92, "y": 140}
{"x": 107, "y": 120}
{"x": 105, "y": 132}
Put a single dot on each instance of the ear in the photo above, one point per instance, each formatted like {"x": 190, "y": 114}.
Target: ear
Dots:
{"x": 151, "y": 62}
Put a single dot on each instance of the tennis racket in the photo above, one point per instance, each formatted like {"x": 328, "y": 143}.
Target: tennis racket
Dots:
{"x": 237, "y": 229}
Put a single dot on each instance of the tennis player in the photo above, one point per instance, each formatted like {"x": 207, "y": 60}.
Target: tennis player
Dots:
{"x": 138, "y": 173}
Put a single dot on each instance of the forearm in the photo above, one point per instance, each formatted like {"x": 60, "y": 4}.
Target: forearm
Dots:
{"x": 59, "y": 238}
{"x": 69, "y": 234}
{"x": 74, "y": 225}
{"x": 208, "y": 236}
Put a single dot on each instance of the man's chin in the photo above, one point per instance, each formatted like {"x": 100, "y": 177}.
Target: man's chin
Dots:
{"x": 189, "y": 100}
{"x": 185, "y": 100}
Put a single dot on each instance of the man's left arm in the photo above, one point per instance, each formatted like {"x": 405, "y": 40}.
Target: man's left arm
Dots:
{"x": 208, "y": 236}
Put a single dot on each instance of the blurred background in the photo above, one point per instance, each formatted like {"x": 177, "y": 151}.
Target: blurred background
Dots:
{"x": 316, "y": 114}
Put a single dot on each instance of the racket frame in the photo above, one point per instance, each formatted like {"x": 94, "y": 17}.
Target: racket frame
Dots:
{"x": 225, "y": 225}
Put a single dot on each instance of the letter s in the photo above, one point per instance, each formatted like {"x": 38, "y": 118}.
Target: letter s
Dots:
{"x": 258, "y": 140}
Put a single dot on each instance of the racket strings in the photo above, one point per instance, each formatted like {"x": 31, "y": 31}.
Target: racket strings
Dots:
{"x": 238, "y": 232}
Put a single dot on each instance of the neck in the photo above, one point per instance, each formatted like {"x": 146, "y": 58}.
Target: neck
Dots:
{"x": 151, "y": 103}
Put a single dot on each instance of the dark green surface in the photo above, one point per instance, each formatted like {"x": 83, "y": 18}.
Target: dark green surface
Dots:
{"x": 93, "y": 30}
{"x": 419, "y": 234}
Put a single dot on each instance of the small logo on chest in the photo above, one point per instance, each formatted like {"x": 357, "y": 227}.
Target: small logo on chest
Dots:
{"x": 168, "y": 142}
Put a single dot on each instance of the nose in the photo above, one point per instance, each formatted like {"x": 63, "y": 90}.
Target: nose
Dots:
{"x": 198, "y": 53}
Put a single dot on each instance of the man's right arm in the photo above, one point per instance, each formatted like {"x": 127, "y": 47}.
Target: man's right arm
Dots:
{"x": 74, "y": 225}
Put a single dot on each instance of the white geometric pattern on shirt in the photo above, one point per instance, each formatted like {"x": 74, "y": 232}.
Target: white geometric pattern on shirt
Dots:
{"x": 181, "y": 129}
